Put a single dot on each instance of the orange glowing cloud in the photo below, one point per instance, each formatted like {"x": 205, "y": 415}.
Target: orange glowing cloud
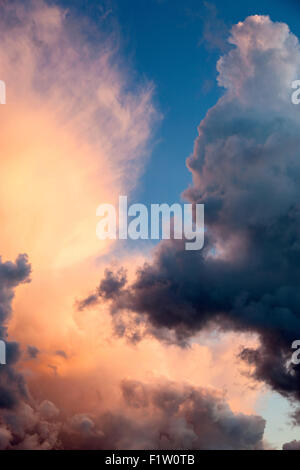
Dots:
{"x": 72, "y": 138}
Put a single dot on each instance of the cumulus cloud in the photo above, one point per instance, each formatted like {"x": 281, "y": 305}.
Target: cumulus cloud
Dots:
{"x": 165, "y": 416}
{"x": 11, "y": 274}
{"x": 13, "y": 388}
{"x": 246, "y": 170}
{"x": 12, "y": 385}
{"x": 31, "y": 429}
{"x": 162, "y": 415}
{"x": 5, "y": 437}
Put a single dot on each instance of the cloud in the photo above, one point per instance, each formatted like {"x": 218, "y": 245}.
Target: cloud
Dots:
{"x": 109, "y": 288}
{"x": 13, "y": 389}
{"x": 33, "y": 352}
{"x": 5, "y": 437}
{"x": 246, "y": 170}
{"x": 215, "y": 30}
{"x": 76, "y": 130}
{"x": 80, "y": 133}
{"x": 61, "y": 353}
{"x": 73, "y": 127}
{"x": 21, "y": 425}
{"x": 165, "y": 416}
{"x": 48, "y": 410}
{"x": 12, "y": 384}
{"x": 30, "y": 429}
{"x": 83, "y": 125}
{"x": 11, "y": 274}
{"x": 293, "y": 445}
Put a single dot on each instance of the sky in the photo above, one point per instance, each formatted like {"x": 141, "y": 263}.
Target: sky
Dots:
{"x": 139, "y": 344}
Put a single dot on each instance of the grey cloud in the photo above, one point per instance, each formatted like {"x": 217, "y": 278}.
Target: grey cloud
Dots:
{"x": 109, "y": 287}
{"x": 11, "y": 274}
{"x": 12, "y": 384}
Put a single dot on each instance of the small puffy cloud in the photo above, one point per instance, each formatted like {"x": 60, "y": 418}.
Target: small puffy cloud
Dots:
{"x": 48, "y": 410}
{"x": 5, "y": 438}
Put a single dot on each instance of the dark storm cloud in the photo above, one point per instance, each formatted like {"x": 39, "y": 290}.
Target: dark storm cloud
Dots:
{"x": 246, "y": 170}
